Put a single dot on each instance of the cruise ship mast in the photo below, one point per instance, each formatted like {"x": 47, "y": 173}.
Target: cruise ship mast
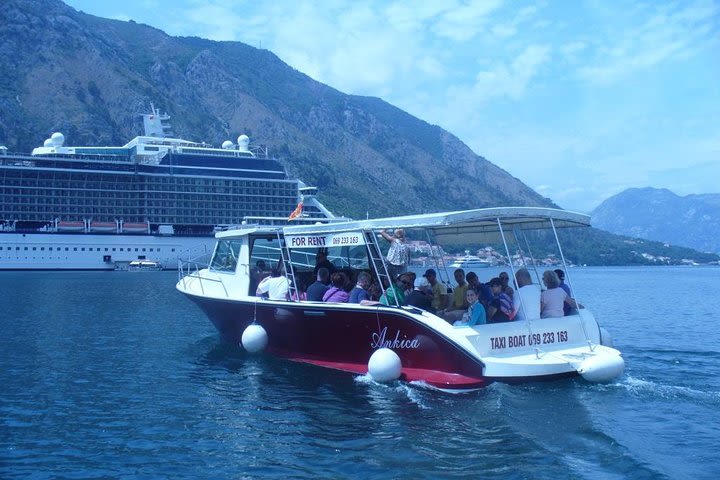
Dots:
{"x": 157, "y": 124}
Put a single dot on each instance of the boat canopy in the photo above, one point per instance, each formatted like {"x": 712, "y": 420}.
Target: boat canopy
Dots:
{"x": 461, "y": 227}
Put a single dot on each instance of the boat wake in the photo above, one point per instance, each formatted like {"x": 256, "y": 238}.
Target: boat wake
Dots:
{"x": 405, "y": 389}
{"x": 643, "y": 388}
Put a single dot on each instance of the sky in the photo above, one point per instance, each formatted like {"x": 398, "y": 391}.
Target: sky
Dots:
{"x": 580, "y": 100}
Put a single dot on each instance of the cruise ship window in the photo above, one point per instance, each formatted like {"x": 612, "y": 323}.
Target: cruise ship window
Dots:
{"x": 82, "y": 249}
{"x": 34, "y": 248}
{"x": 25, "y": 248}
{"x": 74, "y": 249}
{"x": 113, "y": 249}
{"x": 121, "y": 249}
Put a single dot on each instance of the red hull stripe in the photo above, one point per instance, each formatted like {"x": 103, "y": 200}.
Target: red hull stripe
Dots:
{"x": 431, "y": 377}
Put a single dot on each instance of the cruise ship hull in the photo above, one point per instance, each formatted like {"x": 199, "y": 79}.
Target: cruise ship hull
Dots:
{"x": 61, "y": 251}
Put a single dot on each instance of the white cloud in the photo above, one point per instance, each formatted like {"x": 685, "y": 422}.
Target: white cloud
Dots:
{"x": 670, "y": 33}
{"x": 512, "y": 79}
{"x": 464, "y": 21}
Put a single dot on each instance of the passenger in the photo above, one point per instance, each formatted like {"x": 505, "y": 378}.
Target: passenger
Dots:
{"x": 276, "y": 286}
{"x": 256, "y": 274}
{"x": 483, "y": 290}
{"x": 475, "y": 314}
{"x": 336, "y": 293}
{"x": 409, "y": 282}
{"x": 398, "y": 256}
{"x": 396, "y": 291}
{"x": 501, "y": 307}
{"x": 321, "y": 261}
{"x": 300, "y": 294}
{"x": 418, "y": 297}
{"x": 458, "y": 303}
{"x": 316, "y": 291}
{"x": 360, "y": 292}
{"x": 567, "y": 309}
{"x": 553, "y": 299}
{"x": 439, "y": 292}
{"x": 527, "y": 297}
{"x": 374, "y": 292}
{"x": 506, "y": 288}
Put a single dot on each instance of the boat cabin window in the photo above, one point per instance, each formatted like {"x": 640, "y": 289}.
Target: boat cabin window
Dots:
{"x": 264, "y": 256}
{"x": 226, "y": 255}
{"x": 349, "y": 255}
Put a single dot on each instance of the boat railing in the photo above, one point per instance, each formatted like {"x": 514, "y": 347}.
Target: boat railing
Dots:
{"x": 192, "y": 268}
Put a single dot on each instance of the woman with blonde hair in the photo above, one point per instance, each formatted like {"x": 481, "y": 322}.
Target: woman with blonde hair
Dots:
{"x": 553, "y": 299}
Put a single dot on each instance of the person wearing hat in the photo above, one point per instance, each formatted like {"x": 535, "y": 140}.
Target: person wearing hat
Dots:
{"x": 439, "y": 291}
{"x": 418, "y": 297}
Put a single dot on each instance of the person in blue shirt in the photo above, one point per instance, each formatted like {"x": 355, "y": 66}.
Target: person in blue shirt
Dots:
{"x": 360, "y": 292}
{"x": 475, "y": 314}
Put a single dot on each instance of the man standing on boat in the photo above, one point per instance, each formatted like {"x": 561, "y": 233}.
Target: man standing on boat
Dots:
{"x": 398, "y": 256}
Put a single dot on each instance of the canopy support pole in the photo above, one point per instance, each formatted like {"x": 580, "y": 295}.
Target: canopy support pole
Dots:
{"x": 562, "y": 258}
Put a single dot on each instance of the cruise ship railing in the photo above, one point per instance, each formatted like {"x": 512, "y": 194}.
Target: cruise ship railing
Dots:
{"x": 191, "y": 269}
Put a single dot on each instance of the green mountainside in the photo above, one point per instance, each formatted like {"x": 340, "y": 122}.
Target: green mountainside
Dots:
{"x": 90, "y": 78}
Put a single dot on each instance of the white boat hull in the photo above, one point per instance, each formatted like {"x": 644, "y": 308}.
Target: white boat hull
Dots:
{"x": 58, "y": 251}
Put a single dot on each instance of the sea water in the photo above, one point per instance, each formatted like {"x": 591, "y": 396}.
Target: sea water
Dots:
{"x": 117, "y": 375}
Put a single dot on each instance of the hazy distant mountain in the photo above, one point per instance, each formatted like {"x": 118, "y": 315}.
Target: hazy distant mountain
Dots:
{"x": 90, "y": 78}
{"x": 658, "y": 214}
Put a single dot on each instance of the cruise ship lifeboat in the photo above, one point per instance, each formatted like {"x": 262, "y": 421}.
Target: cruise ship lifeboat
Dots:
{"x": 141, "y": 227}
{"x": 106, "y": 227}
{"x": 71, "y": 226}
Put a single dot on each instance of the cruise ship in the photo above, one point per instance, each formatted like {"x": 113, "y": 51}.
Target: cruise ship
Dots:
{"x": 157, "y": 198}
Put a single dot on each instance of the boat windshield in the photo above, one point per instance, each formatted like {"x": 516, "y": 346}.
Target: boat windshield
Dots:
{"x": 226, "y": 255}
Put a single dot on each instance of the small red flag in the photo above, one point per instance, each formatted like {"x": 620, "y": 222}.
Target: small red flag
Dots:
{"x": 297, "y": 212}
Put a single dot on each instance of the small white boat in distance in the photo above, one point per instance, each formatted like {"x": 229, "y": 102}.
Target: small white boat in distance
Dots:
{"x": 470, "y": 262}
{"x": 144, "y": 265}
{"x": 395, "y": 342}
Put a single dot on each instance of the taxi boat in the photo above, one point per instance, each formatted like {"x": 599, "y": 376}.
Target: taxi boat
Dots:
{"x": 395, "y": 342}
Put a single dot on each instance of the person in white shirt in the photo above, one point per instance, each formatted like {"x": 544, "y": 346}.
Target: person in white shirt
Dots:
{"x": 276, "y": 286}
{"x": 526, "y": 301}
{"x": 554, "y": 298}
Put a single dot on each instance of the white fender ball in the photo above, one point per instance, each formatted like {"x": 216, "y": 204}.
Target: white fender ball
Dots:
{"x": 384, "y": 365}
{"x": 254, "y": 338}
{"x": 601, "y": 368}
{"x": 605, "y": 337}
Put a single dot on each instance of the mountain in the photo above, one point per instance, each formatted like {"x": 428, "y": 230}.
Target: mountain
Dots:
{"x": 691, "y": 221}
{"x": 90, "y": 78}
